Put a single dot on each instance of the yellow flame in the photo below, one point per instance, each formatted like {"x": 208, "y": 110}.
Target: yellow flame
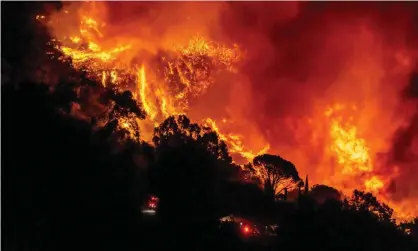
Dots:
{"x": 234, "y": 141}
{"x": 142, "y": 87}
{"x": 351, "y": 151}
{"x": 373, "y": 184}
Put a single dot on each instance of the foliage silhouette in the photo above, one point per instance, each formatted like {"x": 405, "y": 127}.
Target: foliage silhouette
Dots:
{"x": 367, "y": 203}
{"x": 332, "y": 226}
{"x": 60, "y": 184}
{"x": 187, "y": 175}
{"x": 277, "y": 174}
{"x": 411, "y": 227}
{"x": 323, "y": 193}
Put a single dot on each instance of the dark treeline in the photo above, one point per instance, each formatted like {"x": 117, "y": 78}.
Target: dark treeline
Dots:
{"x": 67, "y": 186}
{"x": 75, "y": 182}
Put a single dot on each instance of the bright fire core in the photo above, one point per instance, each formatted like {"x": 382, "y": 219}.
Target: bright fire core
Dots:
{"x": 170, "y": 79}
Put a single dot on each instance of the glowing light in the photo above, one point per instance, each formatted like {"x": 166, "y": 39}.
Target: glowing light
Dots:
{"x": 351, "y": 151}
{"x": 246, "y": 229}
{"x": 373, "y": 184}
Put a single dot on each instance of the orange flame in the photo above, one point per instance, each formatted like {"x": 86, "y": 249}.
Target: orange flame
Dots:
{"x": 189, "y": 70}
{"x": 166, "y": 74}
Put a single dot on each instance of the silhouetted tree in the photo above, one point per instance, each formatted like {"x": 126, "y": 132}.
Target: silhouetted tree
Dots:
{"x": 411, "y": 228}
{"x": 334, "y": 226}
{"x": 323, "y": 193}
{"x": 276, "y": 173}
{"x": 180, "y": 130}
{"x": 187, "y": 176}
{"x": 366, "y": 202}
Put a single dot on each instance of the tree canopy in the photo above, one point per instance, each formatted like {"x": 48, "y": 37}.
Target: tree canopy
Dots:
{"x": 277, "y": 174}
{"x": 322, "y": 193}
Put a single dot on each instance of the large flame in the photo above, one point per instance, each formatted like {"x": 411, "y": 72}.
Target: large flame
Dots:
{"x": 172, "y": 65}
{"x": 356, "y": 164}
{"x": 165, "y": 82}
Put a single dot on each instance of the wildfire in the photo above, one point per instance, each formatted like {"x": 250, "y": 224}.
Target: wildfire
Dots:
{"x": 164, "y": 84}
{"x": 373, "y": 184}
{"x": 235, "y": 143}
{"x": 351, "y": 151}
{"x": 142, "y": 87}
{"x": 167, "y": 79}
{"x": 354, "y": 158}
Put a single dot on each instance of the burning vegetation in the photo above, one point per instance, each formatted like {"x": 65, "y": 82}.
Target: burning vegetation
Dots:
{"x": 335, "y": 120}
{"x": 164, "y": 83}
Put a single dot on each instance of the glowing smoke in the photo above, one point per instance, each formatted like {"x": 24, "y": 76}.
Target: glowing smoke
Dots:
{"x": 301, "y": 59}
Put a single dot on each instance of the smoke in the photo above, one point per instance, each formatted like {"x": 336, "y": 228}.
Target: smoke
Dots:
{"x": 147, "y": 26}
{"x": 404, "y": 151}
{"x": 300, "y": 59}
{"x": 303, "y": 57}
